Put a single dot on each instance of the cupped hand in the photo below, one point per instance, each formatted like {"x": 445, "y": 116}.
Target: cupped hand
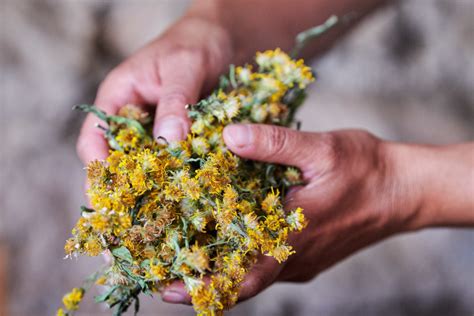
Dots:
{"x": 350, "y": 198}
{"x": 169, "y": 73}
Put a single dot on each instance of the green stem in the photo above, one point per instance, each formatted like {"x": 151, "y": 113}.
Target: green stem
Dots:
{"x": 304, "y": 37}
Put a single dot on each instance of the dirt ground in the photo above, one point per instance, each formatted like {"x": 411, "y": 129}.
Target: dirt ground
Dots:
{"x": 405, "y": 74}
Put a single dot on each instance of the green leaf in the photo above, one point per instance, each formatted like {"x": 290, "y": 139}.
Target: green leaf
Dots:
{"x": 111, "y": 140}
{"x": 137, "y": 306}
{"x": 142, "y": 283}
{"x": 111, "y": 118}
{"x": 127, "y": 121}
{"x": 134, "y": 211}
{"x": 106, "y": 295}
{"x": 92, "y": 109}
{"x": 145, "y": 263}
{"x": 86, "y": 209}
{"x": 233, "y": 82}
{"x": 223, "y": 82}
{"x": 123, "y": 254}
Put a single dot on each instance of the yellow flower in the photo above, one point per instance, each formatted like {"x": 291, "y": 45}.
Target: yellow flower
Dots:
{"x": 196, "y": 258}
{"x": 250, "y": 220}
{"x": 128, "y": 138}
{"x": 293, "y": 175}
{"x": 134, "y": 112}
{"x": 157, "y": 270}
{"x": 259, "y": 113}
{"x": 140, "y": 182}
{"x": 231, "y": 107}
{"x": 99, "y": 222}
{"x": 281, "y": 252}
{"x": 198, "y": 126}
{"x": 114, "y": 160}
{"x": 96, "y": 173}
{"x": 60, "y": 312}
{"x": 70, "y": 246}
{"x": 93, "y": 247}
{"x": 224, "y": 215}
{"x": 230, "y": 197}
{"x": 296, "y": 219}
{"x": 192, "y": 188}
{"x": 205, "y": 300}
{"x": 173, "y": 192}
{"x": 199, "y": 221}
{"x": 233, "y": 266}
{"x": 72, "y": 299}
{"x": 101, "y": 281}
{"x": 273, "y": 222}
{"x": 189, "y": 208}
{"x": 244, "y": 74}
{"x": 271, "y": 202}
{"x": 200, "y": 145}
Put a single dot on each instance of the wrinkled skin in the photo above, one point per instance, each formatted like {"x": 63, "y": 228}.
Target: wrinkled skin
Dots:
{"x": 349, "y": 198}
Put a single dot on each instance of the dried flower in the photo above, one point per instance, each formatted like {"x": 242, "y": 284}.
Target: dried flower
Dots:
{"x": 182, "y": 210}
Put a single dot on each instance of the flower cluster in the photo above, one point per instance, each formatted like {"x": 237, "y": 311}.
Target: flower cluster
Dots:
{"x": 179, "y": 211}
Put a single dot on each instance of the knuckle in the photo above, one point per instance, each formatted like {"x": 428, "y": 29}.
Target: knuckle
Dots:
{"x": 186, "y": 56}
{"x": 175, "y": 97}
{"x": 330, "y": 149}
{"x": 190, "y": 58}
{"x": 188, "y": 53}
{"x": 277, "y": 141}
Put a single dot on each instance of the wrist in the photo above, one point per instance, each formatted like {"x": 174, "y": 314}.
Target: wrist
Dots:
{"x": 224, "y": 15}
{"x": 433, "y": 185}
{"x": 211, "y": 12}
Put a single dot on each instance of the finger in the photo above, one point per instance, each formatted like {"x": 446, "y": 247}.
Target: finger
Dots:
{"x": 116, "y": 91}
{"x": 182, "y": 79}
{"x": 176, "y": 293}
{"x": 262, "y": 274}
{"x": 307, "y": 151}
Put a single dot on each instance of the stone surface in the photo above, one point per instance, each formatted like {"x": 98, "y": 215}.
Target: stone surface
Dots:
{"x": 405, "y": 74}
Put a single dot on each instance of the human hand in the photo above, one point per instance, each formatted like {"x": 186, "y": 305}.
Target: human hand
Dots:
{"x": 169, "y": 73}
{"x": 358, "y": 190}
{"x": 349, "y": 196}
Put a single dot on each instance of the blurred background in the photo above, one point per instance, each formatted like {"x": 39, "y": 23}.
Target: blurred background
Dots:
{"x": 406, "y": 74}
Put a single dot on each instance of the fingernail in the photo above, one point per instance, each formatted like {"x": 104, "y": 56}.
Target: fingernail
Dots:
{"x": 171, "y": 128}
{"x": 238, "y": 135}
{"x": 173, "y": 297}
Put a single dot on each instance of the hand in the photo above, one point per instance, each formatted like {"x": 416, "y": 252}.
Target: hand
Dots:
{"x": 170, "y": 72}
{"x": 349, "y": 198}
{"x": 359, "y": 190}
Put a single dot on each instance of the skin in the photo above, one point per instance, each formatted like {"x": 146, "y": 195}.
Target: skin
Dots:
{"x": 359, "y": 189}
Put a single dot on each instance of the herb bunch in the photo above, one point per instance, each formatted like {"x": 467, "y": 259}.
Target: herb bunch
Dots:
{"x": 180, "y": 211}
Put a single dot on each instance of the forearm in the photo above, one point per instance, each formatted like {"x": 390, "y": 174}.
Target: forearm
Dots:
{"x": 438, "y": 182}
{"x": 256, "y": 25}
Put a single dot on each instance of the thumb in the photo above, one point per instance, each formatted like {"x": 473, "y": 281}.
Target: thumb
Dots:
{"x": 274, "y": 144}
{"x": 262, "y": 274}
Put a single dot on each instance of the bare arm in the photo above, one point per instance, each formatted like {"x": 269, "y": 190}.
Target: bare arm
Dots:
{"x": 256, "y": 25}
